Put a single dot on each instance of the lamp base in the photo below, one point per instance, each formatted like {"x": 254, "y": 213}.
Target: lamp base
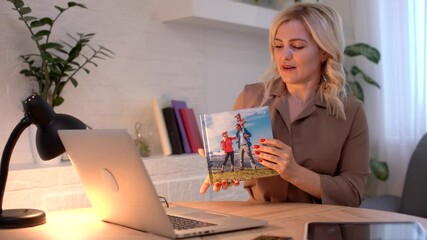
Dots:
{"x": 21, "y": 218}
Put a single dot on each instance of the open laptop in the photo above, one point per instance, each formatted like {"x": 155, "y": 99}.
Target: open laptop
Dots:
{"x": 121, "y": 192}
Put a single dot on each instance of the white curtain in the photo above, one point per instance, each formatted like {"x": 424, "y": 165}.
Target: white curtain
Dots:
{"x": 397, "y": 113}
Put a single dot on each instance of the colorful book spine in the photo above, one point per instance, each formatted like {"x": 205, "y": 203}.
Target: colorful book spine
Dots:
{"x": 177, "y": 104}
{"x": 191, "y": 128}
{"x": 173, "y": 130}
{"x": 161, "y": 128}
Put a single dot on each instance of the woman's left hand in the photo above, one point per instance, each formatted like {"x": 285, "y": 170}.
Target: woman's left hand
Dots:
{"x": 274, "y": 154}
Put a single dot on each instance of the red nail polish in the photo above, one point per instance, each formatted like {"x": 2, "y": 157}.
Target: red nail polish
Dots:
{"x": 217, "y": 184}
{"x": 262, "y": 140}
{"x": 256, "y": 146}
{"x": 259, "y": 160}
{"x": 257, "y": 153}
{"x": 224, "y": 182}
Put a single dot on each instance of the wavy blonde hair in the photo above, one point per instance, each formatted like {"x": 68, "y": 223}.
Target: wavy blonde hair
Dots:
{"x": 324, "y": 25}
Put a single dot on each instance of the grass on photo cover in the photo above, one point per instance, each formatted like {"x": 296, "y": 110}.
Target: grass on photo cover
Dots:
{"x": 241, "y": 175}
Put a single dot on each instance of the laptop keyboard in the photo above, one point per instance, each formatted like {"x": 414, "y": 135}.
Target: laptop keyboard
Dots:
{"x": 181, "y": 223}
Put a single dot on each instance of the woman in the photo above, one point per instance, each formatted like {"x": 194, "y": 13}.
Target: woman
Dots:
{"x": 320, "y": 145}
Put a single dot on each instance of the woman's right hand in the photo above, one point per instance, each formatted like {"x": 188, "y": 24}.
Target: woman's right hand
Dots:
{"x": 224, "y": 184}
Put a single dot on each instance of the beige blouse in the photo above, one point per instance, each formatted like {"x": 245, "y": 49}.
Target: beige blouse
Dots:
{"x": 336, "y": 149}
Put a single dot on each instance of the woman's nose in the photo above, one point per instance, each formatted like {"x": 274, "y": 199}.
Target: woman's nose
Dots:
{"x": 287, "y": 53}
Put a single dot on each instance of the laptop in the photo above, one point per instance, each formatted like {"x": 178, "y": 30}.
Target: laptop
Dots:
{"x": 121, "y": 192}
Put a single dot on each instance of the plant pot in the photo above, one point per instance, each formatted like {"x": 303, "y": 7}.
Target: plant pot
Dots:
{"x": 32, "y": 130}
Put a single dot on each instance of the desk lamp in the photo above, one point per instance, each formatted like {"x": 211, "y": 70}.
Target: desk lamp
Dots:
{"x": 49, "y": 146}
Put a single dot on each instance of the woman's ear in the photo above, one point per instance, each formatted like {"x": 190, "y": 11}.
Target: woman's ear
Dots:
{"x": 324, "y": 56}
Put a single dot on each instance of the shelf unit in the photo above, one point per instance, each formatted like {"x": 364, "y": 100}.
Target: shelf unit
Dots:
{"x": 222, "y": 14}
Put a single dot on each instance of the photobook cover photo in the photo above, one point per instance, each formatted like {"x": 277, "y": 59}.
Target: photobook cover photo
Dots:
{"x": 228, "y": 139}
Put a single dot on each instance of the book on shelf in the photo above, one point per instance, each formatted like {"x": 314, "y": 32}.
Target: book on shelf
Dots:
{"x": 191, "y": 128}
{"x": 228, "y": 140}
{"x": 178, "y": 104}
{"x": 173, "y": 130}
{"x": 161, "y": 128}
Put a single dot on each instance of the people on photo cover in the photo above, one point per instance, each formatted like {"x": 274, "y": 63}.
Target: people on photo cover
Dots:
{"x": 244, "y": 144}
{"x": 227, "y": 147}
{"x": 320, "y": 144}
{"x": 240, "y": 120}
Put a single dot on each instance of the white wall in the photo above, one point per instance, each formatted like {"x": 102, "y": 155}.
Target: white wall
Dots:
{"x": 206, "y": 67}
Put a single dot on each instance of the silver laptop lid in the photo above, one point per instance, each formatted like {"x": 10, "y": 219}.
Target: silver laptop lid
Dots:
{"x": 121, "y": 195}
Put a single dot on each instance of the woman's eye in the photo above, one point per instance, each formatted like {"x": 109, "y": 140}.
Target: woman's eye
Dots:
{"x": 278, "y": 46}
{"x": 298, "y": 47}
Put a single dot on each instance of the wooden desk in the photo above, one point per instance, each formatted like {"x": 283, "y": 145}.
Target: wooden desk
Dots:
{"x": 285, "y": 219}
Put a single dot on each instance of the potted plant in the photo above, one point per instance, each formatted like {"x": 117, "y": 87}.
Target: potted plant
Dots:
{"x": 56, "y": 63}
{"x": 379, "y": 168}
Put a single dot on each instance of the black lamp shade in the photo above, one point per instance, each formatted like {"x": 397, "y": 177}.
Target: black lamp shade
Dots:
{"x": 48, "y": 143}
{"x": 48, "y": 123}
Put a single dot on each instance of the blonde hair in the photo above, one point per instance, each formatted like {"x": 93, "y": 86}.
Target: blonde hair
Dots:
{"x": 324, "y": 25}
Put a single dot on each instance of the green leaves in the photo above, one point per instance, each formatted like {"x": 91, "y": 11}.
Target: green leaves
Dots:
{"x": 51, "y": 45}
{"x": 379, "y": 169}
{"x": 74, "y": 4}
{"x": 354, "y": 89}
{"x": 42, "y": 33}
{"x": 363, "y": 49}
{"x": 46, "y": 56}
{"x": 58, "y": 101}
{"x": 24, "y": 10}
{"x": 74, "y": 82}
{"x": 17, "y": 3}
{"x": 61, "y": 9}
{"x": 41, "y": 22}
{"x": 26, "y": 72}
{"x": 70, "y": 5}
{"x": 27, "y": 18}
{"x": 75, "y": 52}
{"x": 355, "y": 70}
{"x": 46, "y": 21}
{"x": 56, "y": 63}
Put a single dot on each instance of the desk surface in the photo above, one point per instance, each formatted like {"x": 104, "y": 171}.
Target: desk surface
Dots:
{"x": 284, "y": 219}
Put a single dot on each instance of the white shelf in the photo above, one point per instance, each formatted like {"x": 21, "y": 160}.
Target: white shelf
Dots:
{"x": 223, "y": 14}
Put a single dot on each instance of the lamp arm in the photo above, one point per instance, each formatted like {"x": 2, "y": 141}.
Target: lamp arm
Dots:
{"x": 7, "y": 153}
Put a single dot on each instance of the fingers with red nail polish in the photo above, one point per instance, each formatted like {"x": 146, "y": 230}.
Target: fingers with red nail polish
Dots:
{"x": 236, "y": 183}
{"x": 217, "y": 186}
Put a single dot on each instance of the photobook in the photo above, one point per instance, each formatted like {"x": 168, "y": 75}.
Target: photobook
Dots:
{"x": 229, "y": 139}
